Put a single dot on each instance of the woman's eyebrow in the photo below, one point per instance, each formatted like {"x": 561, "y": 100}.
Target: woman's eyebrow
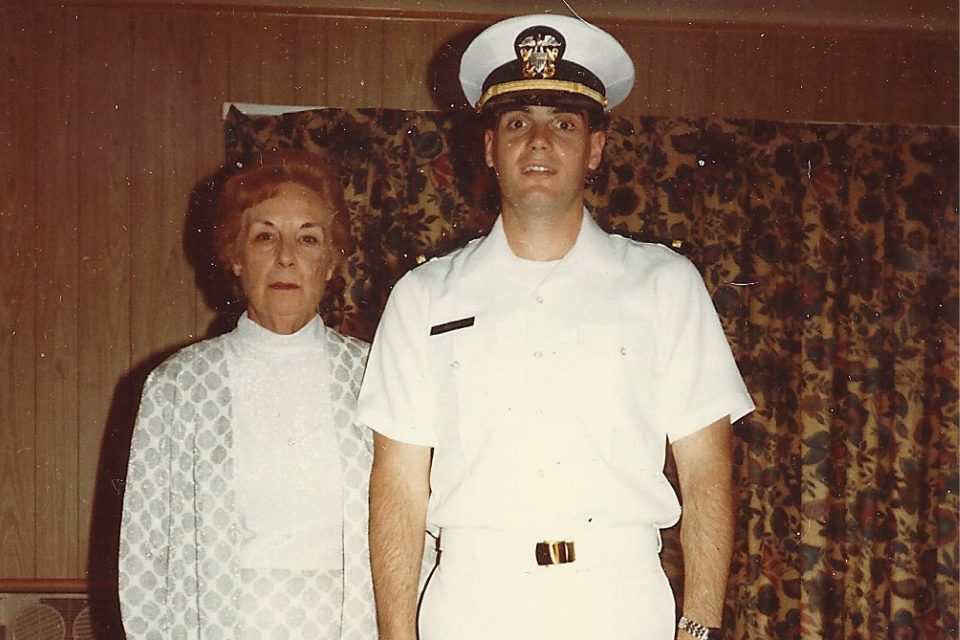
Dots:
{"x": 306, "y": 225}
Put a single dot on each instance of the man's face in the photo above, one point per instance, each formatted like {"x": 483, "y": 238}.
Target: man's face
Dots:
{"x": 542, "y": 156}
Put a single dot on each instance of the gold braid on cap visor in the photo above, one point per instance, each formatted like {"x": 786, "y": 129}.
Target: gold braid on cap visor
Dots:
{"x": 541, "y": 85}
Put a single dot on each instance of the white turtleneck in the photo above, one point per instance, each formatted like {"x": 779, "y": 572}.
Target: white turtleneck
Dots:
{"x": 287, "y": 477}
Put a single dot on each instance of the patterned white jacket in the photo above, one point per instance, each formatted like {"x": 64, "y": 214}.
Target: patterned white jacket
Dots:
{"x": 179, "y": 537}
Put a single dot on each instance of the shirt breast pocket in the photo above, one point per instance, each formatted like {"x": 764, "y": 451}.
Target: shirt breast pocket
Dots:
{"x": 468, "y": 368}
{"x": 618, "y": 372}
{"x": 604, "y": 351}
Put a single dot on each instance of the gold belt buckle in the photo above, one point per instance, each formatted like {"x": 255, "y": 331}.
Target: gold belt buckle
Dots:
{"x": 555, "y": 552}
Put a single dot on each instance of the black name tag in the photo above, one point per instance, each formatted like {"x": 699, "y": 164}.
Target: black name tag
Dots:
{"x": 453, "y": 325}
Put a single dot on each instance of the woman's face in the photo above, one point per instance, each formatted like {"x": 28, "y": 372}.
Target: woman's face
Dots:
{"x": 284, "y": 258}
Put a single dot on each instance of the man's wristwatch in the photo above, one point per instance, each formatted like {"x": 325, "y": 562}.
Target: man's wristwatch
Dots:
{"x": 698, "y": 631}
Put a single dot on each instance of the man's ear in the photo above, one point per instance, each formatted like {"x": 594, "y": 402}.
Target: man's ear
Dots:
{"x": 236, "y": 268}
{"x": 597, "y": 141}
{"x": 488, "y": 147}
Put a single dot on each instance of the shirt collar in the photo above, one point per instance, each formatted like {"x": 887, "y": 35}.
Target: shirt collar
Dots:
{"x": 592, "y": 247}
{"x": 261, "y": 338}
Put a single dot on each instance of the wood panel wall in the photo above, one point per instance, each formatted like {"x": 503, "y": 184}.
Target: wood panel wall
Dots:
{"x": 111, "y": 117}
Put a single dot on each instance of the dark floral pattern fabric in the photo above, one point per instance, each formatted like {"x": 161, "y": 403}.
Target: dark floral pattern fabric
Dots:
{"x": 831, "y": 252}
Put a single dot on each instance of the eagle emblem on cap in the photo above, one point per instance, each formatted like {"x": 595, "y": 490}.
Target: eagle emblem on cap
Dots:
{"x": 539, "y": 51}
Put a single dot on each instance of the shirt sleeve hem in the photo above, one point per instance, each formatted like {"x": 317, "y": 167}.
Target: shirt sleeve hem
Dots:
{"x": 736, "y": 406}
{"x": 384, "y": 428}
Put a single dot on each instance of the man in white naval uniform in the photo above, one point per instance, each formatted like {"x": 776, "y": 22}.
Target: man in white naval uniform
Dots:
{"x": 523, "y": 389}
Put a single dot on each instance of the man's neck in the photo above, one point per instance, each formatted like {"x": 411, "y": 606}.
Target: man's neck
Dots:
{"x": 541, "y": 237}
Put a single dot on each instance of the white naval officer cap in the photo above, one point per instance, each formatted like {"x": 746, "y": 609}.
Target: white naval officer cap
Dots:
{"x": 546, "y": 55}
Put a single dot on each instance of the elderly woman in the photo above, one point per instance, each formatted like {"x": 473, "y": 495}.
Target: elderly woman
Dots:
{"x": 245, "y": 512}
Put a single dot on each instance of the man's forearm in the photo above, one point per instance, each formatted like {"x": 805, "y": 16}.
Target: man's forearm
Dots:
{"x": 706, "y": 537}
{"x": 705, "y": 468}
{"x": 399, "y": 490}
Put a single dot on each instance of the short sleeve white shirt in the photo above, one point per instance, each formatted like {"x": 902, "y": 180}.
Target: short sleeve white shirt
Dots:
{"x": 548, "y": 392}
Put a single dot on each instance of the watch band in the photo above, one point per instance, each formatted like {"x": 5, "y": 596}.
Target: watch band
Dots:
{"x": 698, "y": 631}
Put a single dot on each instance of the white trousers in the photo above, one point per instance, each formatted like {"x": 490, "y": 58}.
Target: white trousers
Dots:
{"x": 488, "y": 586}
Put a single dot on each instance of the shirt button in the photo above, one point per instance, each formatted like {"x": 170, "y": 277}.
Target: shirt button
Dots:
{"x": 540, "y": 299}
{"x": 537, "y": 354}
{"x": 623, "y": 351}
{"x": 455, "y": 364}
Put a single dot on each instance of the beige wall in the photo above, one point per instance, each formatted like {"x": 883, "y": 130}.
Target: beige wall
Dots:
{"x": 111, "y": 116}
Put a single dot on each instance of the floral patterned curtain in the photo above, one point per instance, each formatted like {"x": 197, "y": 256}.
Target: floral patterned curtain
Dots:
{"x": 831, "y": 252}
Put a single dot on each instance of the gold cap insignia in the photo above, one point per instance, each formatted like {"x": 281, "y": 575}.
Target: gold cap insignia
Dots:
{"x": 538, "y": 49}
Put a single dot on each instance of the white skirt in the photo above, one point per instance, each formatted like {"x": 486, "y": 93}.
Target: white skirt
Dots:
{"x": 280, "y": 604}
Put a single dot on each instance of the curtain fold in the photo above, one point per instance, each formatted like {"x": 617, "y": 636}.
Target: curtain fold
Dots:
{"x": 831, "y": 253}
